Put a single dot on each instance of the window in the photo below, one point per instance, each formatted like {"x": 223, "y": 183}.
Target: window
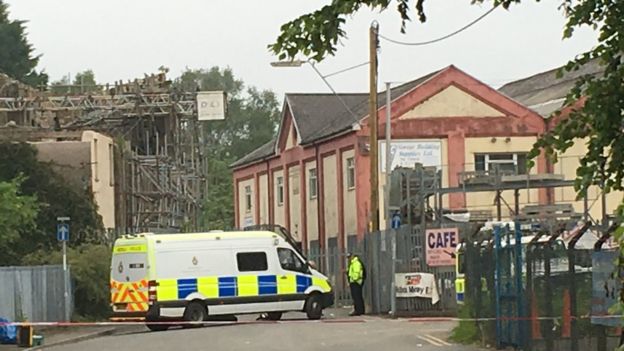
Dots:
{"x": 248, "y": 198}
{"x": 280, "y": 191}
{"x": 312, "y": 183}
{"x": 290, "y": 261}
{"x": 505, "y": 163}
{"x": 350, "y": 173}
{"x": 251, "y": 261}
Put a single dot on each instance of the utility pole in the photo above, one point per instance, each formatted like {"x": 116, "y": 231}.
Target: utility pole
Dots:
{"x": 372, "y": 124}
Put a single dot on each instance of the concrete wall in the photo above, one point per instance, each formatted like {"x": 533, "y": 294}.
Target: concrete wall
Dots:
{"x": 348, "y": 195}
{"x": 74, "y": 169}
{"x": 264, "y": 198}
{"x": 485, "y": 200}
{"x": 330, "y": 195}
{"x": 311, "y": 206}
{"x": 246, "y": 216}
{"x": 279, "y": 209}
{"x": 294, "y": 189}
{"x": 102, "y": 169}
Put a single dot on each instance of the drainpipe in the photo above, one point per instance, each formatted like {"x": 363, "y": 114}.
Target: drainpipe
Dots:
{"x": 269, "y": 203}
{"x": 550, "y": 199}
{"x": 320, "y": 214}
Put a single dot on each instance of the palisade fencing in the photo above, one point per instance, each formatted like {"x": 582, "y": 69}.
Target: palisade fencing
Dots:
{"x": 375, "y": 250}
{"x": 33, "y": 293}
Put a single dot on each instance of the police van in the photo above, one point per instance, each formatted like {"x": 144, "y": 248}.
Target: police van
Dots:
{"x": 192, "y": 277}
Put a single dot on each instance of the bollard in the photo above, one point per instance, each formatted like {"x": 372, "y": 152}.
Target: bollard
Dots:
{"x": 25, "y": 336}
{"x": 536, "y": 331}
{"x": 566, "y": 327}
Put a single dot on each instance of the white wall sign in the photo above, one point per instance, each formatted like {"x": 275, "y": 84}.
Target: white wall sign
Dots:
{"x": 417, "y": 285}
{"x": 211, "y": 105}
{"x": 406, "y": 153}
{"x": 248, "y": 221}
{"x": 441, "y": 246}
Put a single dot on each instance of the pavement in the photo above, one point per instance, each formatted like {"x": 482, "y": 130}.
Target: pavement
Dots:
{"x": 335, "y": 331}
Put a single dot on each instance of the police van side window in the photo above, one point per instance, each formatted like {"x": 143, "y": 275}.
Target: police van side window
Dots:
{"x": 290, "y": 262}
{"x": 251, "y": 261}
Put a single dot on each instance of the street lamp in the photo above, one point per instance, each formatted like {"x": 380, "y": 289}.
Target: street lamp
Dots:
{"x": 294, "y": 63}
{"x": 299, "y": 63}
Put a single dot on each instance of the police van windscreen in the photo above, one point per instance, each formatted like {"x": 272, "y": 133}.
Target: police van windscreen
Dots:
{"x": 129, "y": 267}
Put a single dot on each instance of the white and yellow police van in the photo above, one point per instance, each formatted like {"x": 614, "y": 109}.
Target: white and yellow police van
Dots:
{"x": 193, "y": 276}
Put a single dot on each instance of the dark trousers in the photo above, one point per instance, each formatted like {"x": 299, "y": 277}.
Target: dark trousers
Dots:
{"x": 358, "y": 299}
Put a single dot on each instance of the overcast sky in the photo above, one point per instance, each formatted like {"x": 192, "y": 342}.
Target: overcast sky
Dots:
{"x": 123, "y": 39}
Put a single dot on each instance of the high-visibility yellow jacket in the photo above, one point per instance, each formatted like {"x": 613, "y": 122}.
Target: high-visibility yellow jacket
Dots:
{"x": 356, "y": 271}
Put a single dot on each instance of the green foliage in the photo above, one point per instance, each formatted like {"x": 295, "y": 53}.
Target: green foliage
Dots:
{"x": 84, "y": 82}
{"x": 90, "y": 271}
{"x": 317, "y": 34}
{"x": 252, "y": 119}
{"x": 17, "y": 214}
{"x": 55, "y": 197}
{"x": 466, "y": 332}
{"x": 16, "y": 54}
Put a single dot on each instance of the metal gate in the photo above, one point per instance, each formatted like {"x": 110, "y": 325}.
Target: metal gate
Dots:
{"x": 508, "y": 286}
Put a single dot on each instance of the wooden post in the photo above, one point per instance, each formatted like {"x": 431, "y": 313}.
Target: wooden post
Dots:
{"x": 372, "y": 124}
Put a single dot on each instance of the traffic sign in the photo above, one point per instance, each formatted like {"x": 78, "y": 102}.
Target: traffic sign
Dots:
{"x": 62, "y": 232}
{"x": 396, "y": 221}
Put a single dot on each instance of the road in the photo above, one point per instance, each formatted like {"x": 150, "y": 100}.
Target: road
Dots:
{"x": 293, "y": 333}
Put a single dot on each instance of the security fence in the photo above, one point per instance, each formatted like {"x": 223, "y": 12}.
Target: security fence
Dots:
{"x": 553, "y": 288}
{"x": 375, "y": 250}
{"x": 32, "y": 293}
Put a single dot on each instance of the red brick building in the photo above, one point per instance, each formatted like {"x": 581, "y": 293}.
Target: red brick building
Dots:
{"x": 314, "y": 177}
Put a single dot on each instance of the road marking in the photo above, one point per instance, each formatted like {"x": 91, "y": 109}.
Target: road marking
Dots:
{"x": 430, "y": 341}
{"x": 438, "y": 340}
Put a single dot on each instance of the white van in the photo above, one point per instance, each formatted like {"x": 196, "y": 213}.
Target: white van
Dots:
{"x": 193, "y": 276}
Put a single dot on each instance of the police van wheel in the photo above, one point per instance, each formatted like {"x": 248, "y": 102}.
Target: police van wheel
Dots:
{"x": 274, "y": 316}
{"x": 157, "y": 327}
{"x": 313, "y": 307}
{"x": 195, "y": 312}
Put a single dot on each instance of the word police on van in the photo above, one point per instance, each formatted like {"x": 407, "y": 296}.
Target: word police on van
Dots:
{"x": 193, "y": 276}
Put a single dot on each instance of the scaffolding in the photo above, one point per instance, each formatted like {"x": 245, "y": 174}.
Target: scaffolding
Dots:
{"x": 418, "y": 193}
{"x": 159, "y": 166}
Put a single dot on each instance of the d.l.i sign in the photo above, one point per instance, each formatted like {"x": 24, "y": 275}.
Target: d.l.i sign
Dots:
{"x": 440, "y": 246}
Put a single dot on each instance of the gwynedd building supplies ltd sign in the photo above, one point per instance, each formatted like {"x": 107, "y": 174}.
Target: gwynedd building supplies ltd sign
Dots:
{"x": 406, "y": 153}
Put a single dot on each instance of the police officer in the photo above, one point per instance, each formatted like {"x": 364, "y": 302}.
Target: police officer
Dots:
{"x": 356, "y": 275}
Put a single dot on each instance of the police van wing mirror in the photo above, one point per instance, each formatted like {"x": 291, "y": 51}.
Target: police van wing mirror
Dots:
{"x": 312, "y": 264}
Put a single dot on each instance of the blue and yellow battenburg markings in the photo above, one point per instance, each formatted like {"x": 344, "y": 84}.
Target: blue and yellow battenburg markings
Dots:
{"x": 237, "y": 286}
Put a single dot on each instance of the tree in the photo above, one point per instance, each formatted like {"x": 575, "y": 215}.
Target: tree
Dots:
{"x": 55, "y": 197}
{"x": 18, "y": 213}
{"x": 252, "y": 118}
{"x": 596, "y": 104}
{"x": 84, "y": 82}
{"x": 16, "y": 53}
